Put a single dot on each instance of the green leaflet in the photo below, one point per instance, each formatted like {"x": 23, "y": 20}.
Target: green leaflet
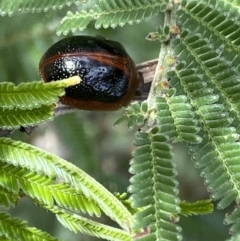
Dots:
{"x": 218, "y": 19}
{"x": 32, "y": 95}
{"x": 10, "y": 8}
{"x": 216, "y": 74}
{"x": 233, "y": 219}
{"x": 15, "y": 118}
{"x": 15, "y": 229}
{"x": 44, "y": 189}
{"x": 219, "y": 65}
{"x": 208, "y": 74}
{"x": 77, "y": 224}
{"x": 35, "y": 160}
{"x": 196, "y": 208}
{"x": 135, "y": 114}
{"x": 29, "y": 104}
{"x": 7, "y": 198}
{"x": 153, "y": 187}
{"x": 112, "y": 13}
{"x": 177, "y": 119}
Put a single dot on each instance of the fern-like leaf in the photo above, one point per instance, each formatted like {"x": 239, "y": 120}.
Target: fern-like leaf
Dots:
{"x": 154, "y": 187}
{"x": 33, "y": 94}
{"x": 11, "y": 7}
{"x": 233, "y": 218}
{"x": 196, "y": 208}
{"x": 67, "y": 197}
{"x": 177, "y": 120}
{"x": 112, "y": 13}
{"x": 207, "y": 73}
{"x": 7, "y": 198}
{"x": 77, "y": 224}
{"x": 135, "y": 114}
{"x": 36, "y": 160}
{"x": 25, "y": 105}
{"x": 15, "y": 118}
{"x": 219, "y": 18}
{"x": 44, "y": 189}
{"x": 14, "y": 228}
{"x": 123, "y": 198}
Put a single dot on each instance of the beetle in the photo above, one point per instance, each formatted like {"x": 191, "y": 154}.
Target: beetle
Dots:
{"x": 109, "y": 76}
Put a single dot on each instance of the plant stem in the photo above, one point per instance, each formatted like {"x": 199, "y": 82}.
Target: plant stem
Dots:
{"x": 166, "y": 59}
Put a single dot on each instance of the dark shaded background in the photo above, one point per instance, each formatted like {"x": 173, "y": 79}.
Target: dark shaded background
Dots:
{"x": 88, "y": 139}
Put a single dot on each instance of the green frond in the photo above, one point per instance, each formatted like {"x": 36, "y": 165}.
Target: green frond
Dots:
{"x": 213, "y": 59}
{"x": 135, "y": 114}
{"x": 200, "y": 207}
{"x": 67, "y": 197}
{"x": 112, "y": 13}
{"x": 31, "y": 95}
{"x": 177, "y": 119}
{"x": 219, "y": 18}
{"x": 15, "y": 178}
{"x": 11, "y": 7}
{"x": 233, "y": 218}
{"x": 44, "y": 189}
{"x": 154, "y": 187}
{"x": 4, "y": 238}
{"x": 7, "y": 198}
{"x": 218, "y": 153}
{"x": 162, "y": 34}
{"x": 208, "y": 75}
{"x": 41, "y": 162}
{"x": 15, "y": 118}
{"x": 30, "y": 103}
{"x": 124, "y": 199}
{"x": 77, "y": 224}
{"x": 14, "y": 228}
{"x": 215, "y": 71}
{"x": 73, "y": 22}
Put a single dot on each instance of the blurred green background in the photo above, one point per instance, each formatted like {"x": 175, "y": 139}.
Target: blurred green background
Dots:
{"x": 88, "y": 139}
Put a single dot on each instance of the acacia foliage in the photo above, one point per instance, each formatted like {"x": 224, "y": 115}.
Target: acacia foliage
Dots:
{"x": 195, "y": 99}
